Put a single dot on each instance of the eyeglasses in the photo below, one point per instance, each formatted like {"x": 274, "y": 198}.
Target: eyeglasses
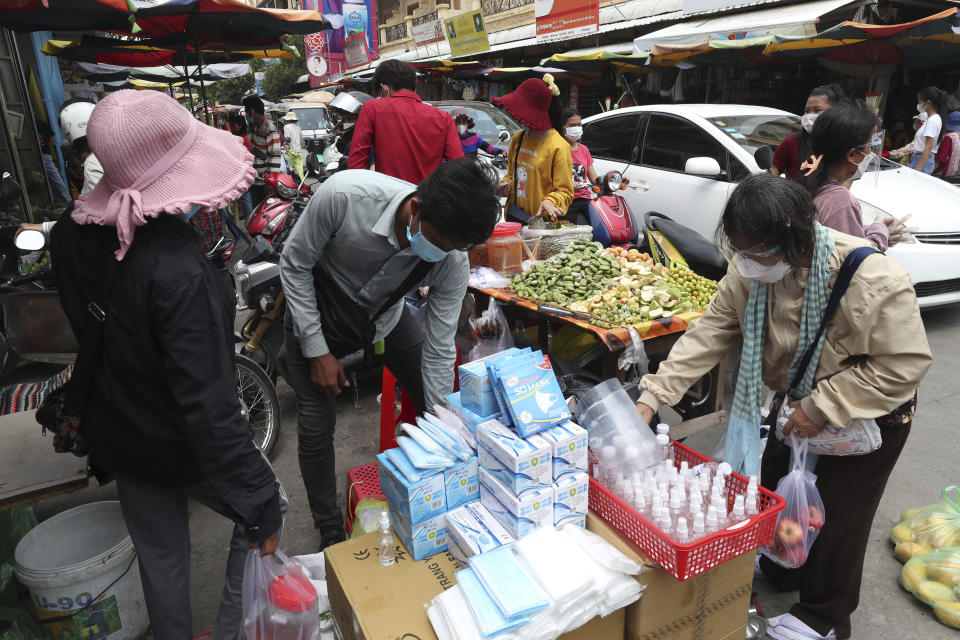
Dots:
{"x": 759, "y": 252}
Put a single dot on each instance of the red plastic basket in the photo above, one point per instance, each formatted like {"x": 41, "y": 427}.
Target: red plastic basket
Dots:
{"x": 362, "y": 482}
{"x": 684, "y": 561}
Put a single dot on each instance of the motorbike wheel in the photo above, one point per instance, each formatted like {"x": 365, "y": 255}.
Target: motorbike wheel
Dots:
{"x": 259, "y": 402}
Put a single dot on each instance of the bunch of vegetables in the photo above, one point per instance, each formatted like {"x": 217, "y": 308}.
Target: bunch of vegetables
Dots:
{"x": 576, "y": 273}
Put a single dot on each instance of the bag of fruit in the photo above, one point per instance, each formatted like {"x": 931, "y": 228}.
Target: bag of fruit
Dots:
{"x": 934, "y": 578}
{"x": 799, "y": 524}
{"x": 928, "y": 528}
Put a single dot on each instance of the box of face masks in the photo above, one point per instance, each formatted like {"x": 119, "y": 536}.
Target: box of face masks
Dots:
{"x": 571, "y": 497}
{"x": 568, "y": 447}
{"x": 469, "y": 418}
{"x": 421, "y": 540}
{"x": 476, "y": 392}
{"x": 521, "y": 514}
{"x": 462, "y": 483}
{"x": 530, "y": 393}
{"x": 415, "y": 501}
{"x": 517, "y": 462}
{"x": 472, "y": 529}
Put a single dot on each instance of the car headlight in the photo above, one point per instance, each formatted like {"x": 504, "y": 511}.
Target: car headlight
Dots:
{"x": 870, "y": 213}
{"x": 285, "y": 192}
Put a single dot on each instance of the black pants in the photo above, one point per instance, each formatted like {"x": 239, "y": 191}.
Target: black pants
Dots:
{"x": 851, "y": 488}
{"x": 317, "y": 413}
{"x": 578, "y": 212}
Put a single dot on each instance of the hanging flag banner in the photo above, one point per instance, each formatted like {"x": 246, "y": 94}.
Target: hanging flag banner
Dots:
{"x": 467, "y": 34}
{"x": 427, "y": 29}
{"x": 563, "y": 19}
{"x": 355, "y": 51}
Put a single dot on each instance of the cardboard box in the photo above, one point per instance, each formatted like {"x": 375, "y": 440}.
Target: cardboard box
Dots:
{"x": 472, "y": 529}
{"x": 422, "y": 539}
{"x": 568, "y": 448}
{"x": 711, "y": 605}
{"x": 387, "y": 603}
{"x": 570, "y": 496}
{"x": 521, "y": 514}
{"x": 516, "y": 462}
{"x": 469, "y": 418}
{"x": 462, "y": 483}
{"x": 416, "y": 501}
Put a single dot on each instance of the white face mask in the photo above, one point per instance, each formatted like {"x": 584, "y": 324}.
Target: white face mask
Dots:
{"x": 753, "y": 270}
{"x": 920, "y": 108}
{"x": 807, "y": 120}
{"x": 574, "y": 133}
{"x": 867, "y": 159}
{"x": 461, "y": 129}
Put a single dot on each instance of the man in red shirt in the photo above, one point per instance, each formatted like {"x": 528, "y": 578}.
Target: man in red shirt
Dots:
{"x": 410, "y": 139}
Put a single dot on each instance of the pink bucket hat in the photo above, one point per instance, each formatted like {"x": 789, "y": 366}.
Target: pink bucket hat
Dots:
{"x": 158, "y": 159}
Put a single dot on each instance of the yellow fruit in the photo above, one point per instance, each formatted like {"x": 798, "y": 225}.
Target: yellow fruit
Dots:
{"x": 901, "y": 533}
{"x": 931, "y": 592}
{"x": 907, "y": 550}
{"x": 944, "y": 573}
{"x": 909, "y": 514}
{"x": 948, "y": 613}
{"x": 912, "y": 575}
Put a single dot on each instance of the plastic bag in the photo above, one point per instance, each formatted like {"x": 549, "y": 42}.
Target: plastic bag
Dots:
{"x": 279, "y": 601}
{"x": 634, "y": 361}
{"x": 928, "y": 528}
{"x": 799, "y": 524}
{"x": 934, "y": 578}
{"x": 860, "y": 437}
{"x": 366, "y": 519}
{"x": 492, "y": 332}
{"x": 545, "y": 243}
{"x": 487, "y": 278}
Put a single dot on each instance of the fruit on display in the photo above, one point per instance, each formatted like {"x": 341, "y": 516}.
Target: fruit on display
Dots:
{"x": 932, "y": 527}
{"x": 626, "y": 256}
{"x": 816, "y": 519}
{"x": 934, "y": 578}
{"x": 575, "y": 274}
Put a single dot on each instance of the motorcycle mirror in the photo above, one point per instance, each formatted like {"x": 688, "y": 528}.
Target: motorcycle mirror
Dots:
{"x": 30, "y": 240}
{"x": 333, "y": 166}
{"x": 504, "y": 136}
{"x": 313, "y": 165}
{"x": 764, "y": 157}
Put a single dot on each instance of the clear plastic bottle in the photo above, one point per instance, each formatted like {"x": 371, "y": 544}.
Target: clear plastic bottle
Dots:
{"x": 699, "y": 526}
{"x": 656, "y": 511}
{"x": 738, "y": 514}
{"x": 712, "y": 524}
{"x": 705, "y": 485}
{"x": 387, "y": 544}
{"x": 640, "y": 503}
{"x": 608, "y": 471}
{"x": 677, "y": 509}
{"x": 684, "y": 469}
{"x": 682, "y": 534}
{"x": 665, "y": 445}
{"x": 696, "y": 502}
{"x": 752, "y": 502}
{"x": 627, "y": 493}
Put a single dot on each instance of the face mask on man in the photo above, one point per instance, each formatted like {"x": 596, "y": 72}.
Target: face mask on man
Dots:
{"x": 251, "y": 123}
{"x": 461, "y": 129}
{"x": 807, "y": 120}
{"x": 425, "y": 249}
{"x": 574, "y": 133}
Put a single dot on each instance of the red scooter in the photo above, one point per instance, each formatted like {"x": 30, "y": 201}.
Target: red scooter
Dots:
{"x": 610, "y": 216}
{"x": 275, "y": 216}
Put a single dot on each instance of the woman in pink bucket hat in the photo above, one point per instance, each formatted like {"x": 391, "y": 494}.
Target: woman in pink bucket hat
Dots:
{"x": 160, "y": 411}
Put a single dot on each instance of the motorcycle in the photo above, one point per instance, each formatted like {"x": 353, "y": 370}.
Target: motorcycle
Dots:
{"x": 610, "y": 216}
{"x": 672, "y": 243}
{"x": 10, "y": 199}
{"x": 35, "y": 333}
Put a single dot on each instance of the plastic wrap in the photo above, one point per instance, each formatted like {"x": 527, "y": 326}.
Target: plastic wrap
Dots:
{"x": 515, "y": 592}
{"x": 560, "y": 566}
{"x": 488, "y": 616}
{"x": 455, "y": 618}
{"x": 544, "y": 243}
{"x": 928, "y": 528}
{"x": 279, "y": 601}
{"x": 454, "y": 447}
{"x": 858, "y": 438}
{"x": 424, "y": 440}
{"x": 420, "y": 457}
{"x": 601, "y": 551}
{"x": 400, "y": 460}
{"x": 934, "y": 578}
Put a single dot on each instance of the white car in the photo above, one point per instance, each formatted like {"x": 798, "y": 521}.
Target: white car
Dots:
{"x": 685, "y": 160}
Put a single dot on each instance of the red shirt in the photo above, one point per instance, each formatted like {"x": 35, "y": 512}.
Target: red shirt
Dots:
{"x": 787, "y": 156}
{"x": 410, "y": 139}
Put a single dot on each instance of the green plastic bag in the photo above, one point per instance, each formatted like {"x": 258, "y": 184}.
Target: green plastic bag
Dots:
{"x": 934, "y": 578}
{"x": 928, "y": 528}
{"x": 367, "y": 516}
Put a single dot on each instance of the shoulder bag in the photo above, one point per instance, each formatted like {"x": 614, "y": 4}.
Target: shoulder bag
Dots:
{"x": 514, "y": 212}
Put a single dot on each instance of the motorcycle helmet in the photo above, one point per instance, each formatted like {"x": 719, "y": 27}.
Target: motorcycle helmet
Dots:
{"x": 349, "y": 102}
{"x": 73, "y": 120}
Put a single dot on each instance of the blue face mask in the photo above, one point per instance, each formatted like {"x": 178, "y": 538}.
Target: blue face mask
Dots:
{"x": 193, "y": 211}
{"x": 424, "y": 248}
{"x": 251, "y": 123}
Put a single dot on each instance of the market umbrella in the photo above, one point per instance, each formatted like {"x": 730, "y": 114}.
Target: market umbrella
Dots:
{"x": 711, "y": 53}
{"x": 59, "y": 15}
{"x": 133, "y": 53}
{"x": 323, "y": 97}
{"x": 501, "y": 74}
{"x": 447, "y": 66}
{"x": 94, "y": 72}
{"x": 598, "y": 61}
{"x": 929, "y": 42}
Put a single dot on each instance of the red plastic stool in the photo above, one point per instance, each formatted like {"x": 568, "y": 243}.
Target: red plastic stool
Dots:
{"x": 362, "y": 482}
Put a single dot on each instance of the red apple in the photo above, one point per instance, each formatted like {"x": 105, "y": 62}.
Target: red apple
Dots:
{"x": 789, "y": 532}
{"x": 816, "y": 519}
{"x": 793, "y": 556}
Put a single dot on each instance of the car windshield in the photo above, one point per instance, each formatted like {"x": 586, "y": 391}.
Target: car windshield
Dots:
{"x": 490, "y": 122}
{"x": 751, "y": 132}
{"x": 310, "y": 118}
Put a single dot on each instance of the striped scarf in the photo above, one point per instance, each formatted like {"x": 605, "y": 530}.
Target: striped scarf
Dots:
{"x": 742, "y": 448}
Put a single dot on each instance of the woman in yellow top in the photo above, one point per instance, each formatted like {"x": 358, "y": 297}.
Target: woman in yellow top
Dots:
{"x": 539, "y": 177}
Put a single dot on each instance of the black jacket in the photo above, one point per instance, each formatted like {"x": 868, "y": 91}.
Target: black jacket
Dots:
{"x": 164, "y": 406}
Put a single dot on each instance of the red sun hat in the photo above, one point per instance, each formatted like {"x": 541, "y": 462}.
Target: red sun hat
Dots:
{"x": 530, "y": 103}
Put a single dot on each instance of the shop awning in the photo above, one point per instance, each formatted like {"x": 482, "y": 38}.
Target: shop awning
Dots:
{"x": 794, "y": 20}
{"x": 597, "y": 61}
{"x": 712, "y": 53}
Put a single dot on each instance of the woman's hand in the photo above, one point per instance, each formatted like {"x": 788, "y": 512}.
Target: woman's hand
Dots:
{"x": 799, "y": 424}
{"x": 646, "y": 411}
{"x": 895, "y": 231}
{"x": 548, "y": 210}
{"x": 504, "y": 189}
{"x": 29, "y": 226}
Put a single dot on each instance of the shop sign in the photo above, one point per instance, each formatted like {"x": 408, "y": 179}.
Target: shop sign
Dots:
{"x": 467, "y": 34}
{"x": 427, "y": 29}
{"x": 355, "y": 50}
{"x": 563, "y": 19}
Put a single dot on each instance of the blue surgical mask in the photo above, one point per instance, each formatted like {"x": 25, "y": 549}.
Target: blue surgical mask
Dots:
{"x": 251, "y": 123}
{"x": 425, "y": 249}
{"x": 193, "y": 211}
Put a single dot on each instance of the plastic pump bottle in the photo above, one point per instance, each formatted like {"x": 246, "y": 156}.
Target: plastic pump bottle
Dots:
{"x": 739, "y": 513}
{"x": 663, "y": 439}
{"x": 683, "y": 534}
{"x": 386, "y": 545}
{"x": 699, "y": 526}
{"x": 712, "y": 524}
{"x": 752, "y": 505}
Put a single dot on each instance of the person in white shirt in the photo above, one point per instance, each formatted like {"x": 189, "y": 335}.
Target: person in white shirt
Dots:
{"x": 73, "y": 121}
{"x": 933, "y": 102}
{"x": 292, "y": 132}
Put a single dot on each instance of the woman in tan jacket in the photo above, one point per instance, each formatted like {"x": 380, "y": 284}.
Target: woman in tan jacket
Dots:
{"x": 873, "y": 357}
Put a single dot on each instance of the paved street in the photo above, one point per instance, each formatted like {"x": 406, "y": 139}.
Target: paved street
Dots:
{"x": 886, "y": 611}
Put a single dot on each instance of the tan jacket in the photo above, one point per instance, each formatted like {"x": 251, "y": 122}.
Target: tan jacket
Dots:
{"x": 874, "y": 356}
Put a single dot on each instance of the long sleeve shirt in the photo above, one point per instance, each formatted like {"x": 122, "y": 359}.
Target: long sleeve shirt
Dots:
{"x": 411, "y": 138}
{"x": 543, "y": 171}
{"x": 348, "y": 228}
{"x": 874, "y": 356}
{"x": 471, "y": 142}
{"x": 838, "y": 209}
{"x": 292, "y": 132}
{"x": 267, "y": 139}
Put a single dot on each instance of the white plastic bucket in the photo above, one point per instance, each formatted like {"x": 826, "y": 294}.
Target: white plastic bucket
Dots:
{"x": 81, "y": 564}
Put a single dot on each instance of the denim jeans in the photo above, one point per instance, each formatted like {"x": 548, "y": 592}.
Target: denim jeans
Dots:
{"x": 317, "y": 413}
{"x": 245, "y": 204}
{"x": 61, "y": 193}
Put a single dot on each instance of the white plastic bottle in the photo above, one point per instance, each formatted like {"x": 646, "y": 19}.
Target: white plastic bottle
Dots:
{"x": 627, "y": 494}
{"x": 387, "y": 544}
{"x": 608, "y": 472}
{"x": 699, "y": 526}
{"x": 663, "y": 438}
{"x": 677, "y": 510}
{"x": 640, "y": 503}
{"x": 712, "y": 524}
{"x": 738, "y": 514}
{"x": 752, "y": 502}
{"x": 696, "y": 503}
{"x": 683, "y": 533}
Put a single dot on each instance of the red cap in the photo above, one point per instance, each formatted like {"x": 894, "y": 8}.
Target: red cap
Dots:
{"x": 292, "y": 592}
{"x": 507, "y": 229}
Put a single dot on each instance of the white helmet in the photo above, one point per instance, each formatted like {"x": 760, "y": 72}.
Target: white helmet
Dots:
{"x": 73, "y": 120}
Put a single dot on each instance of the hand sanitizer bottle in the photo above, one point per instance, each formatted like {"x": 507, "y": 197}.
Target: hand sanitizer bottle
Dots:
{"x": 683, "y": 534}
{"x": 386, "y": 545}
{"x": 699, "y": 526}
